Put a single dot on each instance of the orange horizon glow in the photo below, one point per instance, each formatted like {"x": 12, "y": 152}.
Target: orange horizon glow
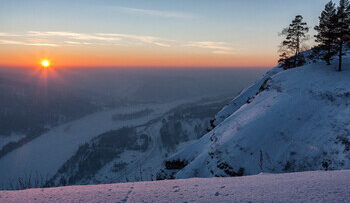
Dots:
{"x": 128, "y": 58}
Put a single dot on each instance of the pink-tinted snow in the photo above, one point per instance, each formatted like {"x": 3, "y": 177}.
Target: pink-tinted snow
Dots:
{"x": 294, "y": 187}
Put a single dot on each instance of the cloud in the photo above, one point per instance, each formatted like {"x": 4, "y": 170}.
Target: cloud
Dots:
{"x": 3, "y": 34}
{"x": 145, "y": 39}
{"x": 167, "y": 14}
{"x": 74, "y": 38}
{"x": 42, "y": 44}
{"x": 72, "y": 35}
{"x": 92, "y": 38}
{"x": 161, "y": 44}
{"x": 216, "y": 47}
{"x": 77, "y": 43}
{"x": 11, "y": 42}
{"x": 14, "y": 42}
{"x": 63, "y": 38}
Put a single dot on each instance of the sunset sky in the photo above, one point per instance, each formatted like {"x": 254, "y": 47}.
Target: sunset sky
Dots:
{"x": 165, "y": 33}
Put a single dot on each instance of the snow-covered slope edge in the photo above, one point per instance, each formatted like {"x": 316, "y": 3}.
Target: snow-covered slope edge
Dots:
{"x": 243, "y": 97}
{"x": 297, "y": 187}
{"x": 298, "y": 121}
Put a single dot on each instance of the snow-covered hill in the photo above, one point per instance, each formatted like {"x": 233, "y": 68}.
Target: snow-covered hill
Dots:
{"x": 295, "y": 187}
{"x": 243, "y": 97}
{"x": 293, "y": 120}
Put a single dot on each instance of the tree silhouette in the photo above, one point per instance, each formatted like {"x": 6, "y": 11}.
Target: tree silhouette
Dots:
{"x": 295, "y": 35}
{"x": 342, "y": 29}
{"x": 326, "y": 36}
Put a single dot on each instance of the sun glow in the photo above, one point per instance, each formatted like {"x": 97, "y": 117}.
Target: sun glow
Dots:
{"x": 45, "y": 63}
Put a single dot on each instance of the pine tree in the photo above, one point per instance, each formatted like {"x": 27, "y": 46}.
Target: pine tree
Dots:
{"x": 326, "y": 32}
{"x": 342, "y": 30}
{"x": 295, "y": 36}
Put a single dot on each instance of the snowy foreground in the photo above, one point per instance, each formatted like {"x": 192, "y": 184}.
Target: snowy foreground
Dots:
{"x": 294, "y": 187}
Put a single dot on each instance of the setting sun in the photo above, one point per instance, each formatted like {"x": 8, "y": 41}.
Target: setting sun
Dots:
{"x": 45, "y": 63}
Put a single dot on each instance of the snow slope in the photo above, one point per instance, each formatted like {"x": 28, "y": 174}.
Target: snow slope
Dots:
{"x": 297, "y": 121}
{"x": 243, "y": 97}
{"x": 294, "y": 187}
